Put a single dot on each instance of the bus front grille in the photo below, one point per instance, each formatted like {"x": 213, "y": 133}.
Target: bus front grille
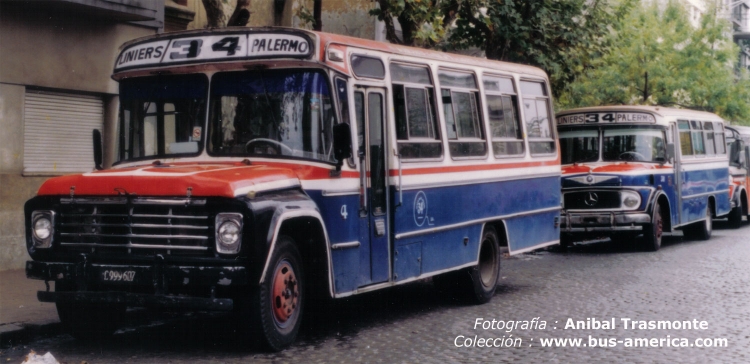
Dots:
{"x": 135, "y": 225}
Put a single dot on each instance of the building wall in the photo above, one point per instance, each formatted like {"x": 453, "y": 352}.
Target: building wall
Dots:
{"x": 53, "y": 51}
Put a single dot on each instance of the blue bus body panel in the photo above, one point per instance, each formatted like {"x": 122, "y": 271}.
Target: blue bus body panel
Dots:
{"x": 434, "y": 208}
{"x": 696, "y": 187}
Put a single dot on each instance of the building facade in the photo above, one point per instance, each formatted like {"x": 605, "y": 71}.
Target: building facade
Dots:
{"x": 56, "y": 59}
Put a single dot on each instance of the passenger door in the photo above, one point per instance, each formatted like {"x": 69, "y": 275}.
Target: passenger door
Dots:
{"x": 369, "y": 104}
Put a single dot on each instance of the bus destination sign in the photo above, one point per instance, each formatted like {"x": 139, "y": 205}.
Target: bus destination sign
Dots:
{"x": 608, "y": 117}
{"x": 218, "y": 47}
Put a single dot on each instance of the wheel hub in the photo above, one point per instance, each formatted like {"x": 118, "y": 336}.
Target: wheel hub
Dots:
{"x": 285, "y": 292}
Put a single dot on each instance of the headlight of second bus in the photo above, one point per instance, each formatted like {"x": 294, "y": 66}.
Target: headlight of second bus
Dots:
{"x": 630, "y": 200}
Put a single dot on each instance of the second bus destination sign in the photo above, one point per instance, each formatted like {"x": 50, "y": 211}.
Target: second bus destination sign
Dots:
{"x": 214, "y": 47}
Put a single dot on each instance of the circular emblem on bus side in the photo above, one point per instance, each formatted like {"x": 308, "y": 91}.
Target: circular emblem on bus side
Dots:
{"x": 592, "y": 199}
{"x": 420, "y": 208}
{"x": 589, "y": 179}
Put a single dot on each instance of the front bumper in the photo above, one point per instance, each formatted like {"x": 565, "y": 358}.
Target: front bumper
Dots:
{"x": 138, "y": 285}
{"x": 579, "y": 222}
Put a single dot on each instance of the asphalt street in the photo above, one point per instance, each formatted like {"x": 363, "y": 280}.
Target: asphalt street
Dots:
{"x": 588, "y": 285}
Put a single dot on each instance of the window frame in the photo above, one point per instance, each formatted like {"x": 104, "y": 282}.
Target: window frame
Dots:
{"x": 546, "y": 99}
{"x": 687, "y": 131}
{"x": 438, "y": 140}
{"x": 516, "y": 109}
{"x": 480, "y": 122}
{"x": 121, "y": 123}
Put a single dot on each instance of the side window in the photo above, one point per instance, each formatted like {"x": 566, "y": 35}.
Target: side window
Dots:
{"x": 696, "y": 134}
{"x": 502, "y": 111}
{"x": 463, "y": 122}
{"x": 414, "y": 102}
{"x": 364, "y": 66}
{"x": 343, "y": 95}
{"x": 686, "y": 145}
{"x": 536, "y": 117}
{"x": 720, "y": 140}
{"x": 359, "y": 110}
{"x": 709, "y": 138}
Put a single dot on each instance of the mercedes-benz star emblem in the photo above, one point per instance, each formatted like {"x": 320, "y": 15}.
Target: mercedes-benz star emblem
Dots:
{"x": 591, "y": 199}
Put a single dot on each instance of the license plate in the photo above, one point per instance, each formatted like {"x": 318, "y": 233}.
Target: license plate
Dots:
{"x": 112, "y": 275}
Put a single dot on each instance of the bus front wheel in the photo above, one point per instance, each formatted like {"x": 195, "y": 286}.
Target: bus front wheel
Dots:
{"x": 274, "y": 310}
{"x": 653, "y": 231}
{"x": 735, "y": 216}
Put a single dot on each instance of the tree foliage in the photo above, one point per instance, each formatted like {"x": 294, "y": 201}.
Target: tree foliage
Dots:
{"x": 559, "y": 36}
{"x": 423, "y": 22}
{"x": 687, "y": 66}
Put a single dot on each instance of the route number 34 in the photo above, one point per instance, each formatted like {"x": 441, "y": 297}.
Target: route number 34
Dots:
{"x": 595, "y": 118}
{"x": 191, "y": 48}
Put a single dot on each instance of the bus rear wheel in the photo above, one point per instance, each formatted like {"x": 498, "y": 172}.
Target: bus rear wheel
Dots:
{"x": 701, "y": 230}
{"x": 475, "y": 284}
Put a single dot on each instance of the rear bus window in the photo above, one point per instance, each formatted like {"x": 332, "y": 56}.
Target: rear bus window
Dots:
{"x": 414, "y": 102}
{"x": 536, "y": 117}
{"x": 502, "y": 111}
{"x": 463, "y": 121}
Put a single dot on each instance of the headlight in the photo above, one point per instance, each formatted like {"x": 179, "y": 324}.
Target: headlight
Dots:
{"x": 630, "y": 200}
{"x": 42, "y": 228}
{"x": 228, "y": 233}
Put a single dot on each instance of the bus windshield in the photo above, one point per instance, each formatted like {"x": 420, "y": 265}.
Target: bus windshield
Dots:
{"x": 161, "y": 116}
{"x": 639, "y": 144}
{"x": 634, "y": 144}
{"x": 579, "y": 146}
{"x": 271, "y": 113}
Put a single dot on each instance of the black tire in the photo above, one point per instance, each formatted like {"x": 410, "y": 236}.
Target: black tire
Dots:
{"x": 701, "y": 230}
{"x": 475, "y": 284}
{"x": 272, "y": 313}
{"x": 652, "y": 233}
{"x": 566, "y": 241}
{"x": 89, "y": 322}
{"x": 735, "y": 216}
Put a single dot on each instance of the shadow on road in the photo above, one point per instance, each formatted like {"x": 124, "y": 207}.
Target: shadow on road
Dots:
{"x": 212, "y": 334}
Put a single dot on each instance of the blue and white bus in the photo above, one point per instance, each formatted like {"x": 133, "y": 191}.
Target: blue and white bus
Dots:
{"x": 641, "y": 170}
{"x": 257, "y": 167}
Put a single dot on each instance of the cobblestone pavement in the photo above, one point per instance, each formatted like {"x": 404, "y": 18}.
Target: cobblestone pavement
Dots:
{"x": 686, "y": 280}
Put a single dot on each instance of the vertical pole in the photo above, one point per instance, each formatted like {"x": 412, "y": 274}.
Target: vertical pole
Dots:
{"x": 317, "y": 10}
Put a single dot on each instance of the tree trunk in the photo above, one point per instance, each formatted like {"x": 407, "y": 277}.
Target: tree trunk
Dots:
{"x": 241, "y": 15}
{"x": 214, "y": 13}
{"x": 317, "y": 10}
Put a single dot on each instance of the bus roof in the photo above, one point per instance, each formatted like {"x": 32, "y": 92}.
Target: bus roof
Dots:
{"x": 659, "y": 111}
{"x": 321, "y": 42}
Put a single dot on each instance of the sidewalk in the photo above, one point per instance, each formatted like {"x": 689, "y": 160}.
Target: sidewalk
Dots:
{"x": 21, "y": 314}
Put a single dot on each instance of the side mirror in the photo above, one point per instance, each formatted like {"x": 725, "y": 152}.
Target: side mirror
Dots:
{"x": 342, "y": 143}
{"x": 98, "y": 154}
{"x": 670, "y": 152}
